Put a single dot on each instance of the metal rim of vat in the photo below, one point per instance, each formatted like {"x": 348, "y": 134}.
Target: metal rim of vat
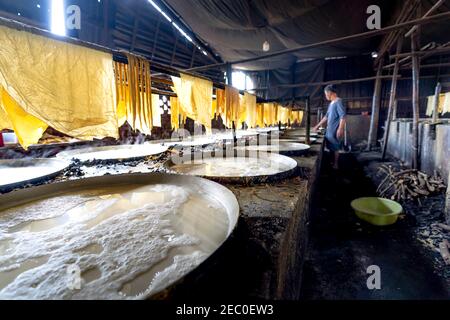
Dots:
{"x": 146, "y": 152}
{"x": 58, "y": 164}
{"x": 244, "y": 180}
{"x": 286, "y": 148}
{"x": 301, "y": 134}
{"x": 297, "y": 139}
{"x": 221, "y": 194}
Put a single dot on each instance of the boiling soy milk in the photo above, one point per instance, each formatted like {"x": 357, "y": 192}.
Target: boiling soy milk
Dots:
{"x": 122, "y": 242}
{"x": 232, "y": 167}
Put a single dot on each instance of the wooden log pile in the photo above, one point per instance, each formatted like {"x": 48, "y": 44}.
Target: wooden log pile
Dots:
{"x": 409, "y": 184}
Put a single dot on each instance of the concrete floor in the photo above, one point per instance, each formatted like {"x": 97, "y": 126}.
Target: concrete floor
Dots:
{"x": 342, "y": 247}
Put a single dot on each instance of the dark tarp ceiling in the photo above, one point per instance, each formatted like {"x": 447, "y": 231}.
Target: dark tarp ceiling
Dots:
{"x": 237, "y": 29}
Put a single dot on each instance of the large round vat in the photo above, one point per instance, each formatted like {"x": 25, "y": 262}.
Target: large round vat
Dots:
{"x": 115, "y": 153}
{"x": 241, "y": 166}
{"x": 17, "y": 173}
{"x": 111, "y": 237}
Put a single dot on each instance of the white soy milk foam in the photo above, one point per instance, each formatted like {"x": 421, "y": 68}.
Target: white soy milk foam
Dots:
{"x": 228, "y": 167}
{"x": 126, "y": 241}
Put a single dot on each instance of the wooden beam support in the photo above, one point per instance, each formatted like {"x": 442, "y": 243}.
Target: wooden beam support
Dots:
{"x": 376, "y": 102}
{"x": 431, "y": 52}
{"x": 428, "y": 13}
{"x": 174, "y": 49}
{"x": 229, "y": 75}
{"x": 392, "y": 98}
{"x": 155, "y": 40}
{"x": 323, "y": 83}
{"x": 415, "y": 102}
{"x": 135, "y": 31}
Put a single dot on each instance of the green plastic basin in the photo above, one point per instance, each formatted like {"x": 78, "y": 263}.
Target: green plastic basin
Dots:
{"x": 377, "y": 211}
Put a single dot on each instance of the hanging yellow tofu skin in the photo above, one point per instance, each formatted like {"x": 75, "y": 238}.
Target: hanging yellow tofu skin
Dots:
{"x": 242, "y": 113}
{"x": 27, "y": 127}
{"x": 68, "y": 87}
{"x": 252, "y": 114}
{"x": 221, "y": 103}
{"x": 174, "y": 113}
{"x": 4, "y": 119}
{"x": 232, "y": 106}
{"x": 260, "y": 115}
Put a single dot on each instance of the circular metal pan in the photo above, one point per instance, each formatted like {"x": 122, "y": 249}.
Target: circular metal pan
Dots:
{"x": 300, "y": 133}
{"x": 17, "y": 173}
{"x": 267, "y": 130}
{"x": 241, "y": 168}
{"x": 186, "y": 143}
{"x": 297, "y": 139}
{"x": 132, "y": 236}
{"x": 281, "y": 147}
{"x": 115, "y": 153}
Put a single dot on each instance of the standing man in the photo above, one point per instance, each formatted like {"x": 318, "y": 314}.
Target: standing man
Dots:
{"x": 335, "y": 119}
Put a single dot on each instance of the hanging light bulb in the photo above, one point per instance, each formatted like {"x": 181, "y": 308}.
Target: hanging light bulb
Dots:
{"x": 266, "y": 46}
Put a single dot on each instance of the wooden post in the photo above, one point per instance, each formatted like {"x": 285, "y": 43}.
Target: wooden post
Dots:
{"x": 308, "y": 121}
{"x": 391, "y": 100}
{"x": 415, "y": 102}
{"x": 229, "y": 75}
{"x": 373, "y": 131}
{"x": 437, "y": 93}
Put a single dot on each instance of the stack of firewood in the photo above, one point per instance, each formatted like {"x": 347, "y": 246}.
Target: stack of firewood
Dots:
{"x": 400, "y": 185}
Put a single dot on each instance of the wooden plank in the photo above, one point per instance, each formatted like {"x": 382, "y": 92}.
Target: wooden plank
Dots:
{"x": 415, "y": 102}
{"x": 392, "y": 97}
{"x": 376, "y": 102}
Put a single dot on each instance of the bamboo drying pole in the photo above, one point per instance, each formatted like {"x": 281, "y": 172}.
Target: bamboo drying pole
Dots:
{"x": 376, "y": 101}
{"x": 392, "y": 97}
{"x": 415, "y": 101}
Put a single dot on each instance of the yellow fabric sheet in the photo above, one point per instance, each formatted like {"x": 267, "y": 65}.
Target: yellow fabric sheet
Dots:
{"x": 269, "y": 114}
{"x": 242, "y": 111}
{"x": 446, "y": 107}
{"x": 70, "y": 88}
{"x": 296, "y": 117}
{"x": 430, "y": 104}
{"x": 232, "y": 106}
{"x": 133, "y": 91}
{"x": 221, "y": 102}
{"x": 202, "y": 100}
{"x": 260, "y": 115}
{"x": 252, "y": 114}
{"x": 176, "y": 113}
{"x": 195, "y": 98}
{"x": 283, "y": 114}
{"x": 28, "y": 128}
{"x": 214, "y": 108}
{"x": 183, "y": 89}
{"x": 4, "y": 119}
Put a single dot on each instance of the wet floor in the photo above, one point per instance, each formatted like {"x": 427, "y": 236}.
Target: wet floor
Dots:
{"x": 341, "y": 247}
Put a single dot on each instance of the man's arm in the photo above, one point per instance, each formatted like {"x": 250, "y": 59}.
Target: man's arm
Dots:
{"x": 341, "y": 129}
{"x": 342, "y": 114}
{"x": 321, "y": 123}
